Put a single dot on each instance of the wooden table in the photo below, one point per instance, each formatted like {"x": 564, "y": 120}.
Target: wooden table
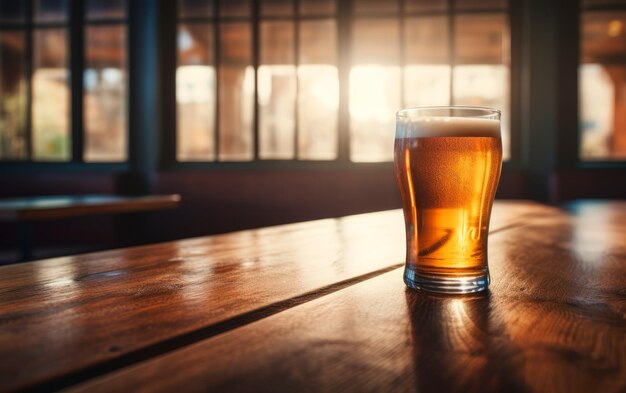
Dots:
{"x": 24, "y": 211}
{"x": 320, "y": 306}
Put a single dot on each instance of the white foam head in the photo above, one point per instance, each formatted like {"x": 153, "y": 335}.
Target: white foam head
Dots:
{"x": 436, "y": 126}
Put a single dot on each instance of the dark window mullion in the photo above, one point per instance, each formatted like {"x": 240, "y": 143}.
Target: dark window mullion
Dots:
{"x": 126, "y": 67}
{"x": 344, "y": 50}
{"x": 216, "y": 60}
{"x": 517, "y": 146}
{"x": 168, "y": 63}
{"x": 28, "y": 132}
{"x": 77, "y": 63}
{"x": 255, "y": 65}
{"x": 296, "y": 60}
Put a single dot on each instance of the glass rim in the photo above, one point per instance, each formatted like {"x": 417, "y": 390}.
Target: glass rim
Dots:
{"x": 482, "y": 111}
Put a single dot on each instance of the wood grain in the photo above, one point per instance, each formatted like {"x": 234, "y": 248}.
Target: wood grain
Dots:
{"x": 72, "y": 318}
{"x": 554, "y": 320}
{"x": 42, "y": 208}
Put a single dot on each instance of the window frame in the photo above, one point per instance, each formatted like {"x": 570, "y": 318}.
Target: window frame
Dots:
{"x": 573, "y": 158}
{"x": 75, "y": 24}
{"x": 344, "y": 17}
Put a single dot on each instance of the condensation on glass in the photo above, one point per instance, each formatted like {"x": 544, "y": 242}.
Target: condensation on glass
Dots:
{"x": 13, "y": 95}
{"x": 602, "y": 81}
{"x": 195, "y": 93}
{"x": 375, "y": 91}
{"x": 236, "y": 92}
{"x": 276, "y": 86}
{"x": 318, "y": 90}
{"x": 481, "y": 72}
{"x": 104, "y": 82}
{"x": 50, "y": 95}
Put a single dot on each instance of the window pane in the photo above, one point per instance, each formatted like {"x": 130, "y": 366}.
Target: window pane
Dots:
{"x": 195, "y": 8}
{"x": 277, "y": 7}
{"x": 426, "y": 40}
{"x": 105, "y": 93}
{"x": 425, "y": 5}
{"x": 235, "y": 7}
{"x": 603, "y": 38}
{"x": 480, "y": 4}
{"x": 374, "y": 89}
{"x": 482, "y": 39}
{"x": 426, "y": 55}
{"x": 602, "y": 85}
{"x": 13, "y": 93}
{"x": 481, "y": 77}
{"x": 51, "y": 95}
{"x": 375, "y": 7}
{"x": 318, "y": 91}
{"x": 12, "y": 11}
{"x": 50, "y": 10}
{"x": 426, "y": 85}
{"x": 195, "y": 93}
{"x": 317, "y": 7}
{"x": 105, "y": 9}
{"x": 236, "y": 92}
{"x": 277, "y": 91}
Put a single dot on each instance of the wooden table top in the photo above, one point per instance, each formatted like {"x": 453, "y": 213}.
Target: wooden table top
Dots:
{"x": 49, "y": 207}
{"x": 321, "y": 306}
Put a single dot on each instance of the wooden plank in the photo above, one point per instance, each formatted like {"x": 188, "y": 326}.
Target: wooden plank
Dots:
{"x": 100, "y": 311}
{"x": 553, "y": 321}
{"x": 39, "y": 208}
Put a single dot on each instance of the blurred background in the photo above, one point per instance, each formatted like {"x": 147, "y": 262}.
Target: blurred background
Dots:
{"x": 262, "y": 112}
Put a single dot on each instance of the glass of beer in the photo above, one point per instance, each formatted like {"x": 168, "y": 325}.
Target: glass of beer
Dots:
{"x": 447, "y": 164}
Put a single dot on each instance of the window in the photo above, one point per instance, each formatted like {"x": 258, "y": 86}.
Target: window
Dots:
{"x": 294, "y": 85}
{"x": 39, "y": 116}
{"x": 413, "y": 53}
{"x": 34, "y": 109}
{"x": 602, "y": 80}
{"x": 260, "y": 80}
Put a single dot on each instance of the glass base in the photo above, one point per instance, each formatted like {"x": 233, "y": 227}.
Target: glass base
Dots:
{"x": 447, "y": 283}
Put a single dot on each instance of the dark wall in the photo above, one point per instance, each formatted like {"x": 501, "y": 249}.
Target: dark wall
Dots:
{"x": 212, "y": 201}
{"x": 590, "y": 183}
{"x": 225, "y": 201}
{"x": 217, "y": 201}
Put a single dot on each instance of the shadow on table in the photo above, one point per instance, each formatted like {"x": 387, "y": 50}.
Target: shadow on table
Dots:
{"x": 453, "y": 345}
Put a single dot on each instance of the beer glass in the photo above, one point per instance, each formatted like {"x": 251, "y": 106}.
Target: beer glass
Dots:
{"x": 447, "y": 164}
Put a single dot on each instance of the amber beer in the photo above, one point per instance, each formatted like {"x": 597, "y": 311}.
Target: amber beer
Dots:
{"x": 447, "y": 163}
